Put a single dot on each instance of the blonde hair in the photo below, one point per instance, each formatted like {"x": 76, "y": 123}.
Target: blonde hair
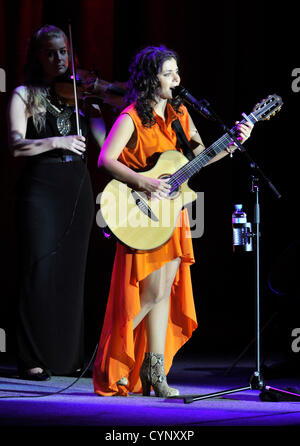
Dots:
{"x": 37, "y": 91}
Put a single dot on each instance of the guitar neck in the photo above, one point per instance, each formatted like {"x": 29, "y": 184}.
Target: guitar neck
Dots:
{"x": 188, "y": 170}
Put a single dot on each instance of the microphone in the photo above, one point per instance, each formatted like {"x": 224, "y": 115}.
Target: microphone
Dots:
{"x": 201, "y": 106}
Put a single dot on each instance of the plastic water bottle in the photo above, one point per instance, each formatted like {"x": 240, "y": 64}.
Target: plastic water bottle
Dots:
{"x": 239, "y": 216}
{"x": 242, "y": 231}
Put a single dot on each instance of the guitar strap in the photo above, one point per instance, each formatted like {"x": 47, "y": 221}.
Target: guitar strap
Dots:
{"x": 182, "y": 139}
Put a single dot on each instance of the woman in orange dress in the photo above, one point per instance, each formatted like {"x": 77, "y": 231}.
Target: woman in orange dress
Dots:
{"x": 150, "y": 311}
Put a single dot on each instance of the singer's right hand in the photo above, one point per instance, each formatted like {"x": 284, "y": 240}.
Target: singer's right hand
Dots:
{"x": 74, "y": 143}
{"x": 154, "y": 187}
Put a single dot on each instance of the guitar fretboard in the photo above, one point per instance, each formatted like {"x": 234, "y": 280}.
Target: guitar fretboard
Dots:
{"x": 188, "y": 170}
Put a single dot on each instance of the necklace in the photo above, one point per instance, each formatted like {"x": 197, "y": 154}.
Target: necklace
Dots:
{"x": 63, "y": 116}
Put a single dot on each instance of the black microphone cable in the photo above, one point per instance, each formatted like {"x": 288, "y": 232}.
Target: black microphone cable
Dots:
{"x": 58, "y": 391}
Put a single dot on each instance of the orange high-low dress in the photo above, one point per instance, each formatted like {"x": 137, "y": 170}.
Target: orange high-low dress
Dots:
{"x": 121, "y": 350}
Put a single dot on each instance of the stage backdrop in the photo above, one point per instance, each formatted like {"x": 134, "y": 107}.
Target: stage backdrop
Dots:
{"x": 234, "y": 56}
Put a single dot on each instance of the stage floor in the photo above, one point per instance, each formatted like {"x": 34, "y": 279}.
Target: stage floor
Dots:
{"x": 29, "y": 405}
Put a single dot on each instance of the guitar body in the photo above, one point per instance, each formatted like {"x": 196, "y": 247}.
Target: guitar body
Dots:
{"x": 140, "y": 222}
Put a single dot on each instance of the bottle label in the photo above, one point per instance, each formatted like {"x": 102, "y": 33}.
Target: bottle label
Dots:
{"x": 239, "y": 220}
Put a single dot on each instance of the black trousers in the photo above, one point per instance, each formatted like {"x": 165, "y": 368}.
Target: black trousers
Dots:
{"x": 55, "y": 212}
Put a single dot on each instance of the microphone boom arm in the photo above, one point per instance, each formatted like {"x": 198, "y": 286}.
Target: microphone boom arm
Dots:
{"x": 203, "y": 107}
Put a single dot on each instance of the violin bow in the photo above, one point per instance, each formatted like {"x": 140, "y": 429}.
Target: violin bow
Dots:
{"x": 79, "y": 132}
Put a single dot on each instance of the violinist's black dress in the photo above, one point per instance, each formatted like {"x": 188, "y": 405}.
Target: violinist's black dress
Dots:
{"x": 55, "y": 211}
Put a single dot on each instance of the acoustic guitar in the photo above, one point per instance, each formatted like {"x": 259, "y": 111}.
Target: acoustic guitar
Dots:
{"x": 145, "y": 223}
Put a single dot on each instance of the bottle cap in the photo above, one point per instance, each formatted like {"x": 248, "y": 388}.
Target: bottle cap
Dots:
{"x": 238, "y": 207}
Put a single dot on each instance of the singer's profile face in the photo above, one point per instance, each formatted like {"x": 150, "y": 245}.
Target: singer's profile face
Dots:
{"x": 169, "y": 78}
{"x": 53, "y": 56}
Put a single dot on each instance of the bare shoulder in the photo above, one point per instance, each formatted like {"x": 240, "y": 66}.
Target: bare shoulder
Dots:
{"x": 125, "y": 120}
{"x": 118, "y": 137}
{"x": 123, "y": 127}
{"x": 17, "y": 107}
{"x": 131, "y": 128}
{"x": 21, "y": 92}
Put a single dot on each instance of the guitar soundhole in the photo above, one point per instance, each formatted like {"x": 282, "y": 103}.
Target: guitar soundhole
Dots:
{"x": 174, "y": 194}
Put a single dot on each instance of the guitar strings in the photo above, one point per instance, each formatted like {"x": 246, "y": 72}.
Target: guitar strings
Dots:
{"x": 189, "y": 169}
{"x": 192, "y": 167}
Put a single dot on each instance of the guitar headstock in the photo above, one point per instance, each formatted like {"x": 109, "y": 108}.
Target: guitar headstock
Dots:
{"x": 267, "y": 108}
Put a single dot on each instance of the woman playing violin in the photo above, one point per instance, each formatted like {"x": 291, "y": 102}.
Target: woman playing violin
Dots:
{"x": 55, "y": 210}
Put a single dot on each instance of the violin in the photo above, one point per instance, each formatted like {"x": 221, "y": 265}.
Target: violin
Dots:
{"x": 85, "y": 84}
{"x": 89, "y": 86}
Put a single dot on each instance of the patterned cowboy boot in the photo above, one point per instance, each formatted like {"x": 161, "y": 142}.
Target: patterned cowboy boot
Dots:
{"x": 152, "y": 373}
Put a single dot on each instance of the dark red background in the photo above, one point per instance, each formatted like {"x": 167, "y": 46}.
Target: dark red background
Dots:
{"x": 233, "y": 54}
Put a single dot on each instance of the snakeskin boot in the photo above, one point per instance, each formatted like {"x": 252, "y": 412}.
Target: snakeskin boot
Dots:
{"x": 152, "y": 373}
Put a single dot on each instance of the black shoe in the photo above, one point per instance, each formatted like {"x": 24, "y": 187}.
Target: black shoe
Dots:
{"x": 40, "y": 376}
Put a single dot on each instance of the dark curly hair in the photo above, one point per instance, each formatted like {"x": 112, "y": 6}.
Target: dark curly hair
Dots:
{"x": 143, "y": 82}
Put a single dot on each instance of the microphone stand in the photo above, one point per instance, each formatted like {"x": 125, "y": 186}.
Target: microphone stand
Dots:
{"x": 256, "y": 381}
